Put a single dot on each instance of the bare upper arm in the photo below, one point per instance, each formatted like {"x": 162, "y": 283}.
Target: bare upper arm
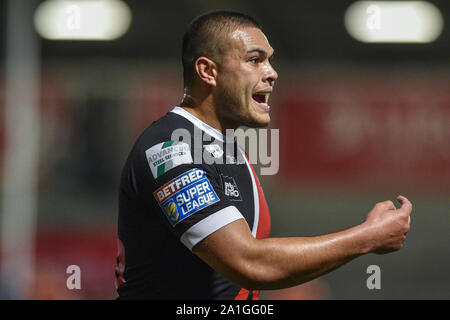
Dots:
{"x": 230, "y": 251}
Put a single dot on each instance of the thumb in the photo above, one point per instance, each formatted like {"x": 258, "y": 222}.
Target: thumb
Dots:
{"x": 406, "y": 205}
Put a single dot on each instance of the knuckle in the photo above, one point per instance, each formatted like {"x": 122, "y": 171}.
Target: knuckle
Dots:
{"x": 386, "y": 204}
{"x": 381, "y": 205}
{"x": 404, "y": 227}
{"x": 403, "y": 214}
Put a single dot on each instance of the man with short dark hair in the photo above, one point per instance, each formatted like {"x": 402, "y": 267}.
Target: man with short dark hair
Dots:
{"x": 192, "y": 229}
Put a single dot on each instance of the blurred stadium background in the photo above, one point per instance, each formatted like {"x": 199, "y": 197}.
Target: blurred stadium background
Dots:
{"x": 359, "y": 123}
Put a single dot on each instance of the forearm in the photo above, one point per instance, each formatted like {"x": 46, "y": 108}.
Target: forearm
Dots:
{"x": 275, "y": 263}
{"x": 285, "y": 262}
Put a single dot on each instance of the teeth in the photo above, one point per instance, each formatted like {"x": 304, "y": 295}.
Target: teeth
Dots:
{"x": 266, "y": 96}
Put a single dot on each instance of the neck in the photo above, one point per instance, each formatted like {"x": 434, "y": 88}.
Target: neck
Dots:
{"x": 203, "y": 108}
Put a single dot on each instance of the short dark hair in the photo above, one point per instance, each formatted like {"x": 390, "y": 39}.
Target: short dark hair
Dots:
{"x": 204, "y": 37}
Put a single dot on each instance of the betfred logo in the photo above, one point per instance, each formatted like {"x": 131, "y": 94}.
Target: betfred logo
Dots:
{"x": 175, "y": 185}
{"x": 185, "y": 195}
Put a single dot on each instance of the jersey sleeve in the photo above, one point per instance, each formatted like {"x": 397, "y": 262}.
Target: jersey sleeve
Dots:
{"x": 190, "y": 197}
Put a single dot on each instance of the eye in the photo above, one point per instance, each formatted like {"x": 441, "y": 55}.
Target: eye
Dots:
{"x": 254, "y": 60}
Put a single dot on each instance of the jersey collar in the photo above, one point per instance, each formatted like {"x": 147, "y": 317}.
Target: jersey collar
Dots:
{"x": 199, "y": 123}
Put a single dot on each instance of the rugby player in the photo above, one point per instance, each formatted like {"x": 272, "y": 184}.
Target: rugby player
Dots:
{"x": 195, "y": 230}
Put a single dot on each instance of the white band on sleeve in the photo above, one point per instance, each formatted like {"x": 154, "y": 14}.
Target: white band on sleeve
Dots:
{"x": 210, "y": 224}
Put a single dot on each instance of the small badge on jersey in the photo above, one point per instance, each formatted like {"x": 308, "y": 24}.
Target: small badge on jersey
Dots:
{"x": 167, "y": 155}
{"x": 184, "y": 195}
{"x": 215, "y": 150}
{"x": 230, "y": 188}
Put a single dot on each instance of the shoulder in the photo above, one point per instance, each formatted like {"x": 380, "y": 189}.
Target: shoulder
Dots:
{"x": 163, "y": 130}
{"x": 158, "y": 147}
{"x": 161, "y": 134}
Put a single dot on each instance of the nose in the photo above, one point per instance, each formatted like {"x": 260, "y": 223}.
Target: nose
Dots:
{"x": 270, "y": 75}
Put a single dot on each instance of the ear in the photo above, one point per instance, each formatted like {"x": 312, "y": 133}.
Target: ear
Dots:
{"x": 206, "y": 70}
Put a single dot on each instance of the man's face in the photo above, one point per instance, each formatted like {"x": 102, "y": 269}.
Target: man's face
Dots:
{"x": 245, "y": 79}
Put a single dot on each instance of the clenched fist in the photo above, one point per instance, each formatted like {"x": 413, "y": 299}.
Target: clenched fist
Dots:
{"x": 387, "y": 226}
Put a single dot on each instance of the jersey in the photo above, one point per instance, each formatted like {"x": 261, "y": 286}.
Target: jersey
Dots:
{"x": 183, "y": 180}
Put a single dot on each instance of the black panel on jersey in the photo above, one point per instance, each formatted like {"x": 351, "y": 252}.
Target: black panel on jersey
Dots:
{"x": 157, "y": 264}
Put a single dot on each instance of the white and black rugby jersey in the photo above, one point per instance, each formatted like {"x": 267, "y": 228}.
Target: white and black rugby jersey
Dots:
{"x": 182, "y": 181}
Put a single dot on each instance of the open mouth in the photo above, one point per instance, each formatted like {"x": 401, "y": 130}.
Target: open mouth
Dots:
{"x": 261, "y": 97}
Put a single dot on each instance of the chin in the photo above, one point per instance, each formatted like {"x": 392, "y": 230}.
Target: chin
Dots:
{"x": 259, "y": 118}
{"x": 260, "y": 121}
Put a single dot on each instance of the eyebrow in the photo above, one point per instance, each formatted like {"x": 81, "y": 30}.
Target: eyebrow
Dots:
{"x": 262, "y": 52}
